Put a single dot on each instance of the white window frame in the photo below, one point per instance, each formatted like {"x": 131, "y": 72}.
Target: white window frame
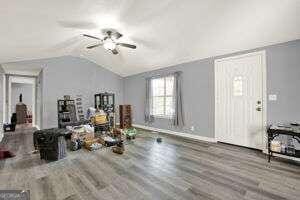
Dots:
{"x": 164, "y": 96}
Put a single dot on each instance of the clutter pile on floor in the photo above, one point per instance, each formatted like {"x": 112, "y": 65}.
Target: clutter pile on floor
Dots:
{"x": 85, "y": 136}
{"x": 96, "y": 132}
{"x": 52, "y": 143}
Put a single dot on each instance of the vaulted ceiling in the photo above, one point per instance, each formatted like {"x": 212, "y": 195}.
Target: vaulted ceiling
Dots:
{"x": 166, "y": 32}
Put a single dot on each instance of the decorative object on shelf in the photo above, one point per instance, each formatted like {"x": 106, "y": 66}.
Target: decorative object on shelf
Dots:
{"x": 125, "y": 116}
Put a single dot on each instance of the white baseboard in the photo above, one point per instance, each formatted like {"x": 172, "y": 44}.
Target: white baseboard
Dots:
{"x": 181, "y": 134}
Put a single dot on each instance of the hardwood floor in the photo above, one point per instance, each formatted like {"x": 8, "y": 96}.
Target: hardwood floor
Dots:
{"x": 174, "y": 169}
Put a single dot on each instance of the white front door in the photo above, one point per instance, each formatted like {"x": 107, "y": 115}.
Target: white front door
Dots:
{"x": 239, "y": 103}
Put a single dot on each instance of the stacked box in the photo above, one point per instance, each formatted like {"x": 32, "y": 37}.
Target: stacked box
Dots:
{"x": 21, "y": 110}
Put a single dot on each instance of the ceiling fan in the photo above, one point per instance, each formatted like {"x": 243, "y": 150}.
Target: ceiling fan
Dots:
{"x": 110, "y": 41}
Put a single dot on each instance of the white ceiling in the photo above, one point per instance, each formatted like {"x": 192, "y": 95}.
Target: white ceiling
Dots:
{"x": 166, "y": 32}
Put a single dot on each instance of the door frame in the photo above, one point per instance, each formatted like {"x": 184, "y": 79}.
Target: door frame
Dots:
{"x": 24, "y": 80}
{"x": 261, "y": 53}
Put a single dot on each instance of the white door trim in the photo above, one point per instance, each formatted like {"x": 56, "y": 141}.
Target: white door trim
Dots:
{"x": 25, "y": 80}
{"x": 264, "y": 87}
{"x": 4, "y": 99}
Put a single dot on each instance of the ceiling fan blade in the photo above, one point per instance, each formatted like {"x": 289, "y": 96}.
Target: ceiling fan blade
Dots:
{"x": 77, "y": 24}
{"x": 116, "y": 35}
{"x": 127, "y": 45}
{"x": 90, "y": 36}
{"x": 114, "y": 51}
{"x": 93, "y": 46}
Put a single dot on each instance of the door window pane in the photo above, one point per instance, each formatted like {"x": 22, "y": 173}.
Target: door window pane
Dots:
{"x": 238, "y": 86}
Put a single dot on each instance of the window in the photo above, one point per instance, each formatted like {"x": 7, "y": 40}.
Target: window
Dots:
{"x": 162, "y": 97}
{"x": 238, "y": 86}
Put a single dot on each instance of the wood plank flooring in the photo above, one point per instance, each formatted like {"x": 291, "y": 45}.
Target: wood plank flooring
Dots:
{"x": 174, "y": 169}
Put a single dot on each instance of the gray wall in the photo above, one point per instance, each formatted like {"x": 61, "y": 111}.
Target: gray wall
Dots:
{"x": 283, "y": 79}
{"x": 283, "y": 75}
{"x": 39, "y": 100}
{"x": 73, "y": 76}
{"x": 1, "y": 101}
{"x": 26, "y": 91}
{"x": 198, "y": 97}
{"x": 70, "y": 75}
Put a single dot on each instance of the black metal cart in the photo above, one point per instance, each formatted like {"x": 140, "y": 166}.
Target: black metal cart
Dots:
{"x": 275, "y": 131}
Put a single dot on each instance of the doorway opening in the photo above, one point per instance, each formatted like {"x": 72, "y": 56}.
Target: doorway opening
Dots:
{"x": 21, "y": 101}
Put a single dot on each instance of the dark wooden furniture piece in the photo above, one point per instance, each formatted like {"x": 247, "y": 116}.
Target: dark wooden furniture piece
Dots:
{"x": 105, "y": 101}
{"x": 289, "y": 130}
{"x": 21, "y": 110}
{"x": 66, "y": 113}
{"x": 125, "y": 116}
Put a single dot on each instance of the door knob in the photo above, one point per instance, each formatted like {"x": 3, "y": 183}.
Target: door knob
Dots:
{"x": 258, "y": 108}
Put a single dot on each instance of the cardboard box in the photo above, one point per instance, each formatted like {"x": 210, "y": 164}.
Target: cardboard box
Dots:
{"x": 82, "y": 136}
{"x": 88, "y": 136}
{"x": 99, "y": 119}
{"x": 88, "y": 143}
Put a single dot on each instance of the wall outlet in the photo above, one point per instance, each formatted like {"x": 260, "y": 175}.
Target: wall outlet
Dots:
{"x": 192, "y": 128}
{"x": 272, "y": 97}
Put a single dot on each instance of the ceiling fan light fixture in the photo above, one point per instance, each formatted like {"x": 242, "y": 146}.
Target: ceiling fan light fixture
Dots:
{"x": 109, "y": 44}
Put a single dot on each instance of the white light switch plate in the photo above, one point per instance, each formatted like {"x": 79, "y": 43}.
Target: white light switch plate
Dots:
{"x": 272, "y": 97}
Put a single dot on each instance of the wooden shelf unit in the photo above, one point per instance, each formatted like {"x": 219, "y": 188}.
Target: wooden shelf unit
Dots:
{"x": 125, "y": 116}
